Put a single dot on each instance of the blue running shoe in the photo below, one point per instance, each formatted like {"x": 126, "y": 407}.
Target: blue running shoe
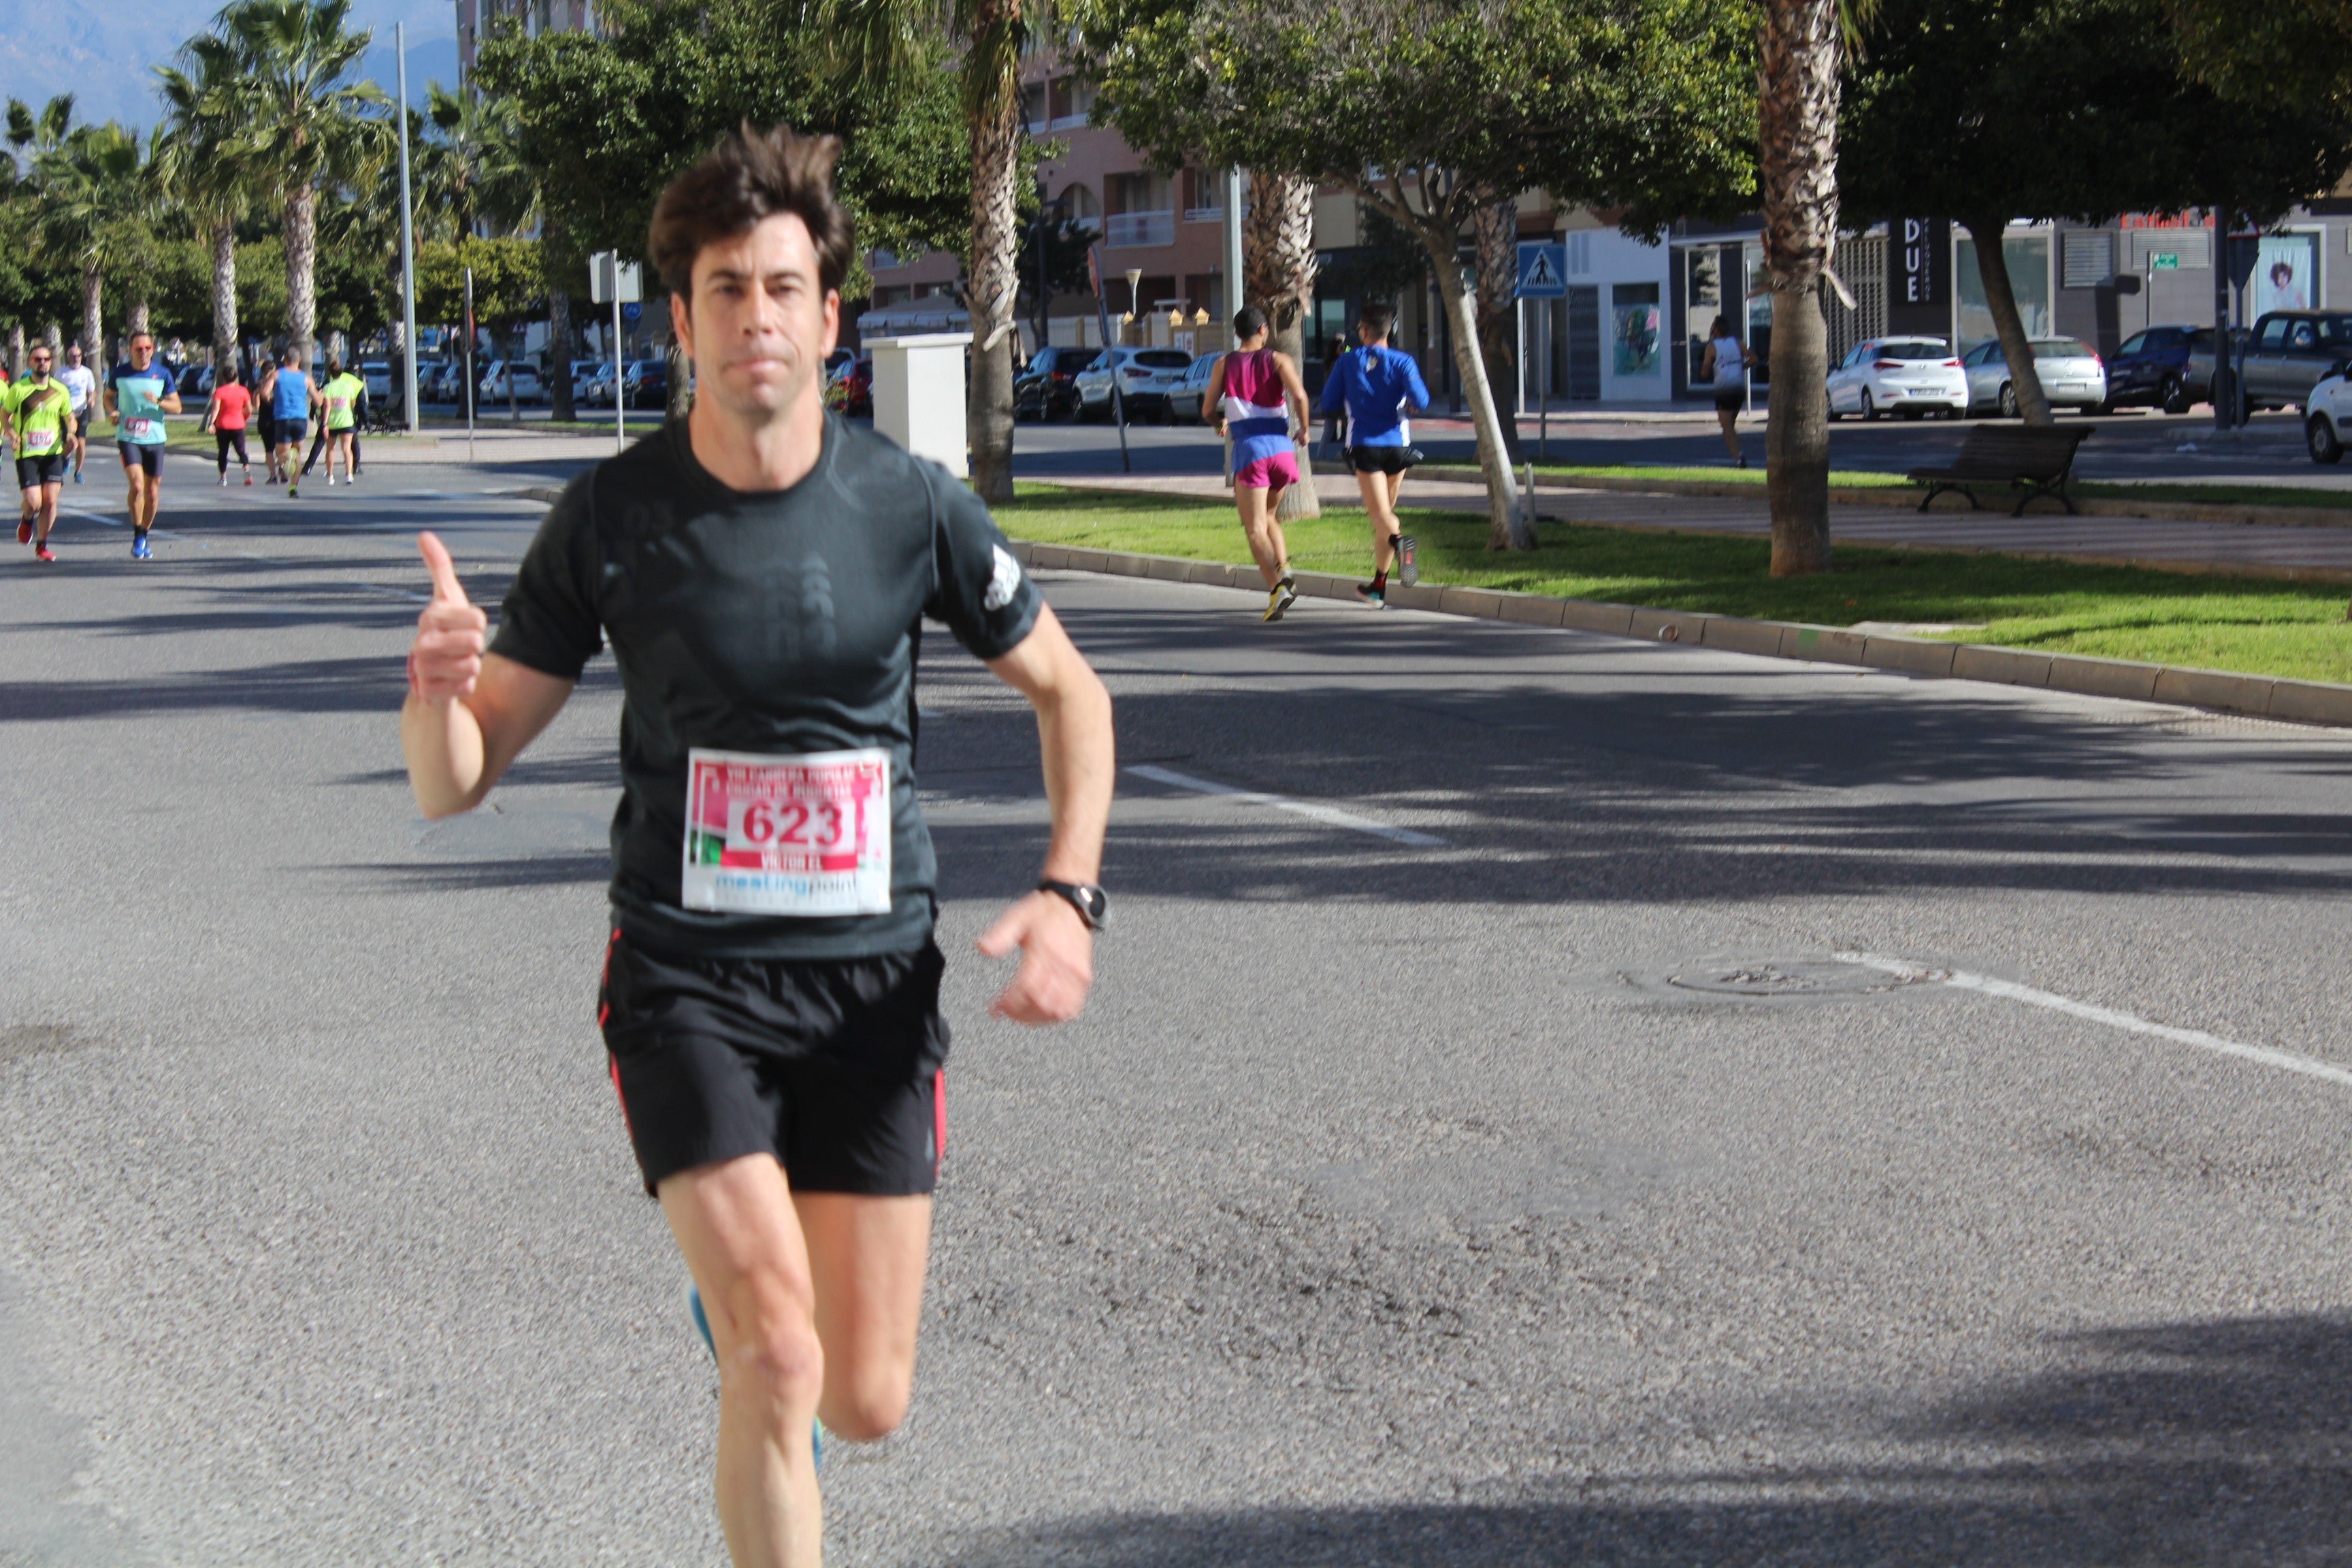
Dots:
{"x": 702, "y": 1327}
{"x": 138, "y": 551}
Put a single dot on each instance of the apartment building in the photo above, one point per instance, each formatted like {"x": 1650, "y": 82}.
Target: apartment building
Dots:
{"x": 537, "y": 17}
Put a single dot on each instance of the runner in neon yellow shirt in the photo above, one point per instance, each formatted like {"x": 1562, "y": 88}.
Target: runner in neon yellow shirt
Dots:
{"x": 36, "y": 412}
{"x": 343, "y": 394}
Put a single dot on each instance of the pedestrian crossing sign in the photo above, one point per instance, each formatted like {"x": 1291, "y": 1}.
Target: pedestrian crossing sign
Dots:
{"x": 1543, "y": 269}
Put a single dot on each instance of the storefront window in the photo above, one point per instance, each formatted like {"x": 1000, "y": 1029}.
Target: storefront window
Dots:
{"x": 1760, "y": 316}
{"x": 1702, "y": 302}
{"x": 1636, "y": 331}
{"x": 2028, "y": 255}
{"x": 2287, "y": 272}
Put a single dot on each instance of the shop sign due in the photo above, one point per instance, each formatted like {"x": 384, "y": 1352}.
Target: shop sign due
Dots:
{"x": 1919, "y": 269}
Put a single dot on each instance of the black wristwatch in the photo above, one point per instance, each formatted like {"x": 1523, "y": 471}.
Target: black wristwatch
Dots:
{"x": 1091, "y": 902}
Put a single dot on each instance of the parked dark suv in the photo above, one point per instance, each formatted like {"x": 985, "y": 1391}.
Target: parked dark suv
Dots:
{"x": 2152, "y": 370}
{"x": 1047, "y": 387}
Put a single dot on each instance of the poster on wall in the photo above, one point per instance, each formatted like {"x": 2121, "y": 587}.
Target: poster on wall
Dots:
{"x": 2285, "y": 272}
{"x": 1637, "y": 339}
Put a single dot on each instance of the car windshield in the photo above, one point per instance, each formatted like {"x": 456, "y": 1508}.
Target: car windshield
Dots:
{"x": 2061, "y": 348}
{"x": 1914, "y": 348}
{"x": 1164, "y": 359}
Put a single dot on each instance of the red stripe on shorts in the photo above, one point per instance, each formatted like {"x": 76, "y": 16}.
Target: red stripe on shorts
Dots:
{"x": 938, "y": 1119}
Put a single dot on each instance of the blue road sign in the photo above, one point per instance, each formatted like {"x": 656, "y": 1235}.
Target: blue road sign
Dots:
{"x": 632, "y": 310}
{"x": 1543, "y": 269}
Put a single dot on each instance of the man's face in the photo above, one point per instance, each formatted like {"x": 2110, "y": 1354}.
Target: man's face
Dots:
{"x": 73, "y": 355}
{"x": 761, "y": 321}
{"x": 39, "y": 363}
{"x": 143, "y": 351}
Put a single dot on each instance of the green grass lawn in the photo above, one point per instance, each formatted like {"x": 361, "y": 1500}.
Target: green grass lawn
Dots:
{"x": 2215, "y": 623}
{"x": 1861, "y": 478}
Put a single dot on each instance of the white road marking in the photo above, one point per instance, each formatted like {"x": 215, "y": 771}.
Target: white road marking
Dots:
{"x": 2310, "y": 1067}
{"x": 1325, "y": 814}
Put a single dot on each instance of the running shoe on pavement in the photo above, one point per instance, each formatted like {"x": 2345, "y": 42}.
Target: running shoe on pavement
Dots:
{"x": 1372, "y": 593}
{"x": 24, "y": 532}
{"x": 1280, "y": 597}
{"x": 41, "y": 552}
{"x": 1408, "y": 556}
{"x": 138, "y": 551}
{"x": 292, "y": 493}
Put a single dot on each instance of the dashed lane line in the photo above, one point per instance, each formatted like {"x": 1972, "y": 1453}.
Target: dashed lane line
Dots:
{"x": 1331, "y": 815}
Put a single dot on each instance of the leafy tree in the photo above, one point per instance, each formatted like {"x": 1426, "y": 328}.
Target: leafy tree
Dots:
{"x": 1959, "y": 103}
{"x": 306, "y": 121}
{"x": 1430, "y": 110}
{"x": 2281, "y": 51}
{"x": 94, "y": 205}
{"x": 200, "y": 172}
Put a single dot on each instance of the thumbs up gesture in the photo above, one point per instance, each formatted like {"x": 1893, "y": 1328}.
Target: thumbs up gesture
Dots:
{"x": 450, "y": 635}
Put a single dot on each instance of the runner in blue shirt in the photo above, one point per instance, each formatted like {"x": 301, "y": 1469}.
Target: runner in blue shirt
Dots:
{"x": 1374, "y": 385}
{"x": 288, "y": 393}
{"x": 139, "y": 393}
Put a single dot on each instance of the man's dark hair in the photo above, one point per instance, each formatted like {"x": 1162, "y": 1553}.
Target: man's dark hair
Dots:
{"x": 1248, "y": 322}
{"x": 752, "y": 174}
{"x": 1376, "y": 320}
{"x": 334, "y": 364}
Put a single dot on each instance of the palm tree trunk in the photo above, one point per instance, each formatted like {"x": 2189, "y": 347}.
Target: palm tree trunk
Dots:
{"x": 558, "y": 354}
{"x": 224, "y": 301}
{"x": 301, "y": 235}
{"x": 2001, "y": 299}
{"x": 992, "y": 291}
{"x": 93, "y": 323}
{"x": 1278, "y": 278}
{"x": 55, "y": 337}
{"x": 1796, "y": 124}
{"x": 1497, "y": 227}
{"x": 135, "y": 322}
{"x": 16, "y": 350}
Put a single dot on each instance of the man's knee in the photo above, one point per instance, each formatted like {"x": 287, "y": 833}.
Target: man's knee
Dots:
{"x": 769, "y": 1347}
{"x": 868, "y": 1402}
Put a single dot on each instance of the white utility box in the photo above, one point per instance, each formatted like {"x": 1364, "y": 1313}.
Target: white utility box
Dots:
{"x": 918, "y": 385}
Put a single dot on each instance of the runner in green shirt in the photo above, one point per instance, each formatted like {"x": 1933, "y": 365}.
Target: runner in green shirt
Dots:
{"x": 343, "y": 395}
{"x": 37, "y": 413}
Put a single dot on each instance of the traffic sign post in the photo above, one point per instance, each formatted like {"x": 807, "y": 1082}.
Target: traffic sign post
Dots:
{"x": 1543, "y": 275}
{"x": 623, "y": 284}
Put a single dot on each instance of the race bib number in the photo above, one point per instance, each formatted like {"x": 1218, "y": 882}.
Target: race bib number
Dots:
{"x": 35, "y": 442}
{"x": 139, "y": 428}
{"x": 788, "y": 836}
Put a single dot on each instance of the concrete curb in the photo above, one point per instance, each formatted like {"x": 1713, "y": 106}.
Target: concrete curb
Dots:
{"x": 1906, "y": 498}
{"x": 2223, "y": 691}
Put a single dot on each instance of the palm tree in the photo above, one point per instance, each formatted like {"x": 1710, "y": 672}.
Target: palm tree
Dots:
{"x": 872, "y": 43}
{"x": 1278, "y": 277}
{"x": 198, "y": 169}
{"x": 471, "y": 172}
{"x": 96, "y": 201}
{"x": 30, "y": 135}
{"x": 1802, "y": 54}
{"x": 291, "y": 59}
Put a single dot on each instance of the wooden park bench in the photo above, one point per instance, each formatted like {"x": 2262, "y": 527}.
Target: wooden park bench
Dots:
{"x": 2036, "y": 458}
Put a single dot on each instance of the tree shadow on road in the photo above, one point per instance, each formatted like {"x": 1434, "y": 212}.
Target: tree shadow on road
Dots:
{"x": 2223, "y": 1442}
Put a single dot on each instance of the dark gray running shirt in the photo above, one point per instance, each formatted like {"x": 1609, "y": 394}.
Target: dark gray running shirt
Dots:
{"x": 780, "y": 622}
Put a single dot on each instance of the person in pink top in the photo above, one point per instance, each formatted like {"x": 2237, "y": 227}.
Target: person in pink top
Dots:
{"x": 226, "y": 416}
{"x": 1261, "y": 406}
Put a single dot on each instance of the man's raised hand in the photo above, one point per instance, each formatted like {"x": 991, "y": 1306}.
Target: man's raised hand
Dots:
{"x": 450, "y": 635}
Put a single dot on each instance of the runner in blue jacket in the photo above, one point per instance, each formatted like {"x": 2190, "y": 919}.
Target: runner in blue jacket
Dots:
{"x": 1375, "y": 385}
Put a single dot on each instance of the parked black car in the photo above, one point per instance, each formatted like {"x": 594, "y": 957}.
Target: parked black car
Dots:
{"x": 647, "y": 383}
{"x": 2152, "y": 369}
{"x": 1047, "y": 388}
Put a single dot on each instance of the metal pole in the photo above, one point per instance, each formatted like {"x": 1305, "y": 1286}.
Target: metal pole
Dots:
{"x": 620, "y": 414}
{"x": 470, "y": 364}
{"x": 1234, "y": 293}
{"x": 407, "y": 240}
{"x": 2223, "y": 381}
{"x": 1118, "y": 404}
{"x": 1543, "y": 390}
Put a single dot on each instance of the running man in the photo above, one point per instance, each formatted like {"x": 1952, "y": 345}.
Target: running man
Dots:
{"x": 290, "y": 392}
{"x": 1725, "y": 364}
{"x": 226, "y": 416}
{"x": 139, "y": 393}
{"x": 36, "y": 413}
{"x": 82, "y": 384}
{"x": 1373, "y": 384}
{"x": 761, "y": 569}
{"x": 1261, "y": 404}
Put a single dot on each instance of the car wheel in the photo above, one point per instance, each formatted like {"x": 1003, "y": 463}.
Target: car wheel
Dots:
{"x": 2008, "y": 408}
{"x": 1869, "y": 409}
{"x": 2319, "y": 435}
{"x": 2172, "y": 396}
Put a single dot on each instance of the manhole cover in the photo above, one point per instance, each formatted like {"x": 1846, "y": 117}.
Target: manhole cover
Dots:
{"x": 1796, "y": 978}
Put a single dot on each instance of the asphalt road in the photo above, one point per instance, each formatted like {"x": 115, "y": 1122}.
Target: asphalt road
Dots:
{"x": 1456, "y": 1165}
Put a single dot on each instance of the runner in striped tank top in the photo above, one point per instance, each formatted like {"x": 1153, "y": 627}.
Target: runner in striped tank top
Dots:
{"x": 1261, "y": 404}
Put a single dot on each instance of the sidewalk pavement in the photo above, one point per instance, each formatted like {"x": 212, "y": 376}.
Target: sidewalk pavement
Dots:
{"x": 2235, "y": 549}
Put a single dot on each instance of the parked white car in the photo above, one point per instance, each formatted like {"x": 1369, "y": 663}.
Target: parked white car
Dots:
{"x": 493, "y": 386}
{"x": 2327, "y": 414}
{"x": 1146, "y": 377}
{"x": 2070, "y": 371}
{"x": 1910, "y": 376}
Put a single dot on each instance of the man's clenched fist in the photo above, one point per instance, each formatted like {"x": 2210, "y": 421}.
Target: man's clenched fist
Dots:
{"x": 450, "y": 635}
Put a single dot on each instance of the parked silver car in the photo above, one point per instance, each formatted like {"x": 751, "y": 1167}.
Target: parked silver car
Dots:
{"x": 2071, "y": 373}
{"x": 1146, "y": 377}
{"x": 2289, "y": 352}
{"x": 1186, "y": 398}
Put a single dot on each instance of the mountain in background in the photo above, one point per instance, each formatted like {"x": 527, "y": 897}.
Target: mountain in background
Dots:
{"x": 104, "y": 52}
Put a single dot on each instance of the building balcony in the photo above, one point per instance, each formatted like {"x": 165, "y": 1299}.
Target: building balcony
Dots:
{"x": 1122, "y": 230}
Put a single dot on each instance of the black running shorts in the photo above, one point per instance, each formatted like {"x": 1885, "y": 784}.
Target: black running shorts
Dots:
{"x": 47, "y": 468}
{"x": 1380, "y": 459}
{"x": 289, "y": 432}
{"x": 145, "y": 455}
{"x": 834, "y": 1066}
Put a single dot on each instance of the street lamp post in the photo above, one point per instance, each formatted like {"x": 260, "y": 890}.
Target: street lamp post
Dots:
{"x": 407, "y": 240}
{"x": 1044, "y": 211}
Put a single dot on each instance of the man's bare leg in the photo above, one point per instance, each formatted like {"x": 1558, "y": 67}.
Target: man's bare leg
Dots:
{"x": 153, "y": 486}
{"x": 1266, "y": 545}
{"x": 137, "y": 482}
{"x": 813, "y": 1303}
{"x": 48, "y": 512}
{"x": 1380, "y": 506}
